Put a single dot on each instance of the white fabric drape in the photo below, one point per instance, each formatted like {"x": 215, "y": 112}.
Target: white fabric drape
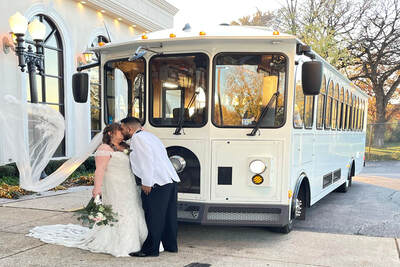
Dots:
{"x": 32, "y": 133}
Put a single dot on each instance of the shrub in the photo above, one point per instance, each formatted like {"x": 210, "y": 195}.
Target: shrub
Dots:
{"x": 90, "y": 164}
{"x": 10, "y": 180}
{"x": 53, "y": 165}
{"x": 9, "y": 170}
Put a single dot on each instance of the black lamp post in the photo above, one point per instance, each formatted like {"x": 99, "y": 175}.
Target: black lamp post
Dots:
{"x": 29, "y": 58}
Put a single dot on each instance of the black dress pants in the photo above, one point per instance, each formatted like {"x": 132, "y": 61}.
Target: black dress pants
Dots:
{"x": 160, "y": 209}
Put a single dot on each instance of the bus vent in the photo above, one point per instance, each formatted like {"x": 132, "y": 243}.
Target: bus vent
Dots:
{"x": 240, "y": 215}
{"x": 327, "y": 180}
{"x": 337, "y": 174}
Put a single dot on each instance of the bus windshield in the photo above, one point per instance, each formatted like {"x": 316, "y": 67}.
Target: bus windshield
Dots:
{"x": 178, "y": 90}
{"x": 244, "y": 84}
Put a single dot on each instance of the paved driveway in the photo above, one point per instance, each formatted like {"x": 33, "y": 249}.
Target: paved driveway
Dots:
{"x": 371, "y": 207}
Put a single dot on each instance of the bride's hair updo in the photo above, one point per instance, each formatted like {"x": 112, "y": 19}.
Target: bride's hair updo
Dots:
{"x": 109, "y": 130}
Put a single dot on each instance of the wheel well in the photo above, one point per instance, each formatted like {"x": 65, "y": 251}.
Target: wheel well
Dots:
{"x": 353, "y": 168}
{"x": 305, "y": 185}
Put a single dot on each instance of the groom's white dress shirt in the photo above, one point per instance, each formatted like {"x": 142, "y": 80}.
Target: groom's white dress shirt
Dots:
{"x": 149, "y": 160}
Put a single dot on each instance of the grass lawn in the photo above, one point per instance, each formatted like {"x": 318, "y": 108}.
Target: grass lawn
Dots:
{"x": 390, "y": 151}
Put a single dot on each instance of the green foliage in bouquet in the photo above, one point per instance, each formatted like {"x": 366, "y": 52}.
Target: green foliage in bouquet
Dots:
{"x": 97, "y": 214}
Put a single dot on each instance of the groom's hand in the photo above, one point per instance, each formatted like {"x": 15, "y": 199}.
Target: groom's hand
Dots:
{"x": 146, "y": 189}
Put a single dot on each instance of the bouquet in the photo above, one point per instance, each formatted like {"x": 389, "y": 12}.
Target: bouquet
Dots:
{"x": 95, "y": 213}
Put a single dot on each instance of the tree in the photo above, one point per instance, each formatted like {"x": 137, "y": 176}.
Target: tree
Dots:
{"x": 259, "y": 18}
{"x": 244, "y": 90}
{"x": 323, "y": 24}
{"x": 374, "y": 46}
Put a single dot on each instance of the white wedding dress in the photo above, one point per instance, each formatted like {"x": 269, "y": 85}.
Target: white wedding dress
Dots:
{"x": 125, "y": 236}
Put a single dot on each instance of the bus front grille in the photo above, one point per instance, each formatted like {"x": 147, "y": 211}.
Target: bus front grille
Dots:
{"x": 239, "y": 214}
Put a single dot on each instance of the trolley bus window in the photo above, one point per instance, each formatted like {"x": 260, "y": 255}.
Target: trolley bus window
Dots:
{"x": 244, "y": 84}
{"x": 178, "y": 90}
{"x": 124, "y": 89}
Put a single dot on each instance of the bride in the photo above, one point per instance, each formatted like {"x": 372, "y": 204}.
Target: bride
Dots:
{"x": 116, "y": 183}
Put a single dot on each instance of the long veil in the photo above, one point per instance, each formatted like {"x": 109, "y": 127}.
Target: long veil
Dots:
{"x": 31, "y": 134}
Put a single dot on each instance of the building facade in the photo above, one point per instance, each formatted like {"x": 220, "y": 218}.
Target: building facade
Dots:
{"x": 71, "y": 28}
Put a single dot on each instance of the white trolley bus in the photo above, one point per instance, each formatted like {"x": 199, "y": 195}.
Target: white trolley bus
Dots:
{"x": 257, "y": 125}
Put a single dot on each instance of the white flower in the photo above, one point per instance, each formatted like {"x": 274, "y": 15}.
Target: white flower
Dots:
{"x": 90, "y": 217}
{"x": 127, "y": 151}
{"x": 100, "y": 216}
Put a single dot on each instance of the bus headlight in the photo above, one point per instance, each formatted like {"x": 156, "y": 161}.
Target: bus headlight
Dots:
{"x": 257, "y": 166}
{"x": 178, "y": 162}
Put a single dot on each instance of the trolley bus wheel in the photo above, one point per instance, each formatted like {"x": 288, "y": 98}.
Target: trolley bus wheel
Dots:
{"x": 299, "y": 212}
{"x": 346, "y": 185}
{"x": 287, "y": 228}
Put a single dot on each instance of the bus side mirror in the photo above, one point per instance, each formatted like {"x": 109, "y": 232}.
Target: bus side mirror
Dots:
{"x": 311, "y": 77}
{"x": 80, "y": 87}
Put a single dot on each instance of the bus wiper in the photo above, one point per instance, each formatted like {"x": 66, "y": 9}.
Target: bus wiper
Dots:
{"x": 181, "y": 113}
{"x": 263, "y": 112}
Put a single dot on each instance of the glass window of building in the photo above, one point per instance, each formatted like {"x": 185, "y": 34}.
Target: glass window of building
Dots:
{"x": 50, "y": 85}
{"x": 95, "y": 88}
{"x": 245, "y": 84}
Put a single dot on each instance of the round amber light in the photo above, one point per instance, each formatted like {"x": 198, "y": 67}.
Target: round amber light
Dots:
{"x": 144, "y": 37}
{"x": 257, "y": 179}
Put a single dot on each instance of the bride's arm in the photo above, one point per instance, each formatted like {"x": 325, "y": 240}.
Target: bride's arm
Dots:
{"x": 103, "y": 155}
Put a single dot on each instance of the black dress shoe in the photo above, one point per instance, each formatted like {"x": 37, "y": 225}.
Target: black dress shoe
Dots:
{"x": 171, "y": 250}
{"x": 142, "y": 254}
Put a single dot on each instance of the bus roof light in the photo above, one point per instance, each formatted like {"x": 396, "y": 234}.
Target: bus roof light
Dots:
{"x": 144, "y": 37}
{"x": 172, "y": 35}
{"x": 275, "y": 33}
{"x": 202, "y": 33}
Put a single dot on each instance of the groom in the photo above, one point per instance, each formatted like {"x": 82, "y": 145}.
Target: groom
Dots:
{"x": 150, "y": 162}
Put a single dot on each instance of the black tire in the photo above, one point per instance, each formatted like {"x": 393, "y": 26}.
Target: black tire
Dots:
{"x": 344, "y": 187}
{"x": 287, "y": 228}
{"x": 303, "y": 204}
{"x": 302, "y": 198}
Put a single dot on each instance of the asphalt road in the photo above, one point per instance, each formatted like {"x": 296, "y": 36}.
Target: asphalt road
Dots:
{"x": 365, "y": 209}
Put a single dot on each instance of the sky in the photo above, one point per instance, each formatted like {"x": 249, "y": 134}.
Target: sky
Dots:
{"x": 213, "y": 12}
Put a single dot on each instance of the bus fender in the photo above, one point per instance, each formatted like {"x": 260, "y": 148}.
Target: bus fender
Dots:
{"x": 302, "y": 177}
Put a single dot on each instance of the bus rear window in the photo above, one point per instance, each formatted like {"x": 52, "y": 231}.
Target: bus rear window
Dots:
{"x": 244, "y": 85}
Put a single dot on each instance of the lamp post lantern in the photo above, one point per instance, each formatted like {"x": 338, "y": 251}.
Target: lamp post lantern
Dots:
{"x": 32, "y": 59}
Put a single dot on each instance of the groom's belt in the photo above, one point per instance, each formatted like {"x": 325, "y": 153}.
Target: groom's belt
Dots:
{"x": 139, "y": 182}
